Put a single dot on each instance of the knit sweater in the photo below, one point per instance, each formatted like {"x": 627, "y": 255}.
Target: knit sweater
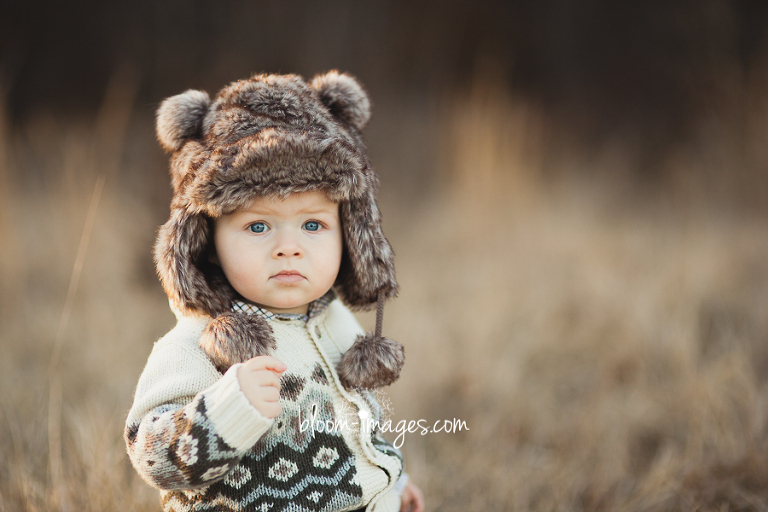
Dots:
{"x": 193, "y": 434}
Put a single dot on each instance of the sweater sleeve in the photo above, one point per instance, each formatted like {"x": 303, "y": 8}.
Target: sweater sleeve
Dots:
{"x": 189, "y": 426}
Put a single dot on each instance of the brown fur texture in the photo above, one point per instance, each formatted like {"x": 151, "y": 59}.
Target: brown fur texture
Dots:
{"x": 344, "y": 98}
{"x": 268, "y": 135}
{"x": 233, "y": 338}
{"x": 271, "y": 134}
{"x": 371, "y": 362}
{"x": 179, "y": 118}
{"x": 181, "y": 257}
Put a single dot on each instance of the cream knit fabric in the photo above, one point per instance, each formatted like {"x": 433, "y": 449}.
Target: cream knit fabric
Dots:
{"x": 192, "y": 433}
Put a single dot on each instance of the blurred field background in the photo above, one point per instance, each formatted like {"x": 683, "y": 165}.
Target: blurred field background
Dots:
{"x": 577, "y": 193}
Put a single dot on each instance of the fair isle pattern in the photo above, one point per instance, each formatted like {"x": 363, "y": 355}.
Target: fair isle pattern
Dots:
{"x": 288, "y": 469}
{"x": 315, "y": 308}
{"x": 194, "y": 456}
{"x": 192, "y": 434}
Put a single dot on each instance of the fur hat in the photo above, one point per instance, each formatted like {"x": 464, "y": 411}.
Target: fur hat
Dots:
{"x": 273, "y": 135}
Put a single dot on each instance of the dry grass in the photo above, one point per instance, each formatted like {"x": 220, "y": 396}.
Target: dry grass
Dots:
{"x": 603, "y": 358}
{"x": 601, "y": 363}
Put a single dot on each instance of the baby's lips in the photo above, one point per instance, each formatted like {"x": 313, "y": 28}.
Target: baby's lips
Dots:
{"x": 288, "y": 273}
{"x": 288, "y": 276}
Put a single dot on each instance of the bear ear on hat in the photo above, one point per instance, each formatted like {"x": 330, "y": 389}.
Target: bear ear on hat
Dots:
{"x": 344, "y": 97}
{"x": 180, "y": 118}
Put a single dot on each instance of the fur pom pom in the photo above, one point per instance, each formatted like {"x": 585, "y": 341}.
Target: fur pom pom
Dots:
{"x": 371, "y": 362}
{"x": 233, "y": 338}
{"x": 180, "y": 117}
{"x": 344, "y": 97}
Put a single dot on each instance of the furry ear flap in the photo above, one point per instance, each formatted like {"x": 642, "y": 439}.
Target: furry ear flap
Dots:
{"x": 344, "y": 97}
{"x": 180, "y": 118}
{"x": 181, "y": 245}
{"x": 369, "y": 268}
{"x": 232, "y": 338}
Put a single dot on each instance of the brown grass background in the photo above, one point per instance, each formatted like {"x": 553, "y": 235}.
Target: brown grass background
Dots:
{"x": 593, "y": 305}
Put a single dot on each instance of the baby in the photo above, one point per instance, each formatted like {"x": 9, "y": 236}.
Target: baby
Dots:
{"x": 274, "y": 231}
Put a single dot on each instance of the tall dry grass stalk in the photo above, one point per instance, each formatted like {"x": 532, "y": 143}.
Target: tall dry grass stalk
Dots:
{"x": 602, "y": 358}
{"x": 492, "y": 148}
{"x": 66, "y": 280}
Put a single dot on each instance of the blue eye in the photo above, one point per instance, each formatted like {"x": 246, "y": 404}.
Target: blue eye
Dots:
{"x": 312, "y": 225}
{"x": 258, "y": 227}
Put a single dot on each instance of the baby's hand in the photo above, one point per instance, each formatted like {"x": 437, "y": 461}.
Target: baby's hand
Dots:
{"x": 259, "y": 379}
{"x": 412, "y": 500}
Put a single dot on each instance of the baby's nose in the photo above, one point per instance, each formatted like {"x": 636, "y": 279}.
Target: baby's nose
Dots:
{"x": 280, "y": 254}
{"x": 287, "y": 246}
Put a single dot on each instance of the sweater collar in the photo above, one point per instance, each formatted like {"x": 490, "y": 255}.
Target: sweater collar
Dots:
{"x": 315, "y": 308}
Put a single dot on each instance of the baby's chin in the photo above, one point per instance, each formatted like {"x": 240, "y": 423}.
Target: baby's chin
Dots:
{"x": 287, "y": 302}
{"x": 296, "y": 307}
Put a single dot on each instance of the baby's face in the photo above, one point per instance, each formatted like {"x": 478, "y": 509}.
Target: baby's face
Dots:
{"x": 281, "y": 254}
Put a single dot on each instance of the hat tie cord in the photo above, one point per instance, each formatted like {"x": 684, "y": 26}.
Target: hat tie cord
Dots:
{"x": 379, "y": 314}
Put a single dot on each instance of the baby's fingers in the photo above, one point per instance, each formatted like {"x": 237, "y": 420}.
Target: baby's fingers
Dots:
{"x": 266, "y": 363}
{"x": 270, "y": 394}
{"x": 412, "y": 500}
{"x": 266, "y": 378}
